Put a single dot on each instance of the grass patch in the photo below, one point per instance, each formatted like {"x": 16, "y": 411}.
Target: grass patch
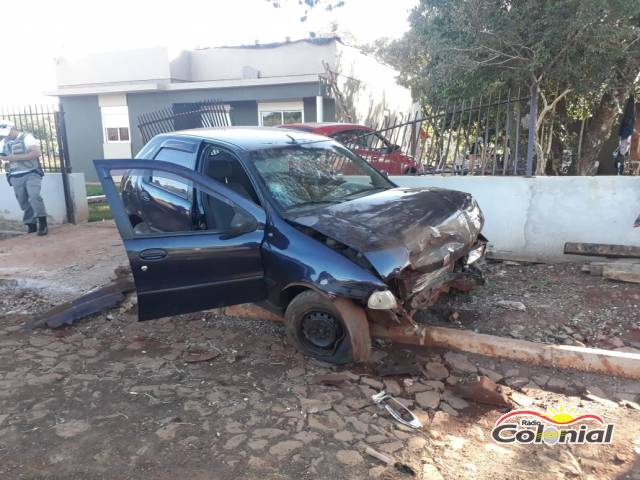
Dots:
{"x": 99, "y": 211}
{"x": 93, "y": 189}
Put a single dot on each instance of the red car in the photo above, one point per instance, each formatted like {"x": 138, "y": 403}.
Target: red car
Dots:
{"x": 366, "y": 142}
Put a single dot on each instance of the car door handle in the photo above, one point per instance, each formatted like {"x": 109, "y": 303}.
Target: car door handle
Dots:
{"x": 153, "y": 254}
{"x": 144, "y": 195}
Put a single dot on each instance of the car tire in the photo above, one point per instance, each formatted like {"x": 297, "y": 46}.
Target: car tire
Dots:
{"x": 316, "y": 328}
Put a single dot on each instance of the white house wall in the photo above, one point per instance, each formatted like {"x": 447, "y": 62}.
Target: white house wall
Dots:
{"x": 296, "y": 58}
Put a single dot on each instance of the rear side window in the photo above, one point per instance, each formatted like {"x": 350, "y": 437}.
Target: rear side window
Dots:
{"x": 179, "y": 157}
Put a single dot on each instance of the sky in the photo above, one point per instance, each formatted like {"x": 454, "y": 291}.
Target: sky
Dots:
{"x": 67, "y": 28}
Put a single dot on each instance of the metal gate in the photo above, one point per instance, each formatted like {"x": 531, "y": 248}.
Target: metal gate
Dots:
{"x": 46, "y": 123}
{"x": 183, "y": 116}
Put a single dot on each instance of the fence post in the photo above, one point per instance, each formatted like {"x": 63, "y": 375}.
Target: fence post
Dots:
{"x": 65, "y": 166}
{"x": 533, "y": 117}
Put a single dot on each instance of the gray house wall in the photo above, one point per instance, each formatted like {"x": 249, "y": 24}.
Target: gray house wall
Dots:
{"x": 242, "y": 114}
{"x": 84, "y": 126}
{"x": 84, "y": 133}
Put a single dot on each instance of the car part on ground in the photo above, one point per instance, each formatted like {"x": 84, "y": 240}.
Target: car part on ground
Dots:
{"x": 396, "y": 409}
{"x": 94, "y": 302}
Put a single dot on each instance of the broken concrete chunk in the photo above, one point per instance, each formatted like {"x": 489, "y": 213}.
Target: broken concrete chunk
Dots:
{"x": 436, "y": 371}
{"x": 516, "y": 382}
{"x": 512, "y": 305}
{"x": 455, "y": 402}
{"x": 392, "y": 388}
{"x": 429, "y": 399}
{"x": 334, "y": 379}
{"x": 459, "y": 362}
{"x": 372, "y": 383}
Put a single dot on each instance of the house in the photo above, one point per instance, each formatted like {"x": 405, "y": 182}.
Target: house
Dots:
{"x": 308, "y": 80}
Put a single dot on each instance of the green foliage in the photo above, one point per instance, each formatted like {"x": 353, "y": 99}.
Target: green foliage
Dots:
{"x": 306, "y": 6}
{"x": 458, "y": 48}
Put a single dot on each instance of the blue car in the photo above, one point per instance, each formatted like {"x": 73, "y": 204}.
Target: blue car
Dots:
{"x": 292, "y": 221}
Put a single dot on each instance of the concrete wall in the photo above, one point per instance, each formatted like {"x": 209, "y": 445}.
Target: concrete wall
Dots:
{"x": 84, "y": 133}
{"x": 532, "y": 218}
{"x": 53, "y": 195}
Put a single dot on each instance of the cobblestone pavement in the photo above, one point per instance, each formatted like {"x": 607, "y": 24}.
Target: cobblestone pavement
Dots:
{"x": 114, "y": 398}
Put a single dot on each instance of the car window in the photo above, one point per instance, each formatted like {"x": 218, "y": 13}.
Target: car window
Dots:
{"x": 169, "y": 203}
{"x": 302, "y": 176}
{"x": 361, "y": 139}
{"x": 171, "y": 183}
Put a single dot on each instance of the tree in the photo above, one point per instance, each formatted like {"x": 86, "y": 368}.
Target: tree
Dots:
{"x": 565, "y": 49}
{"x": 307, "y": 6}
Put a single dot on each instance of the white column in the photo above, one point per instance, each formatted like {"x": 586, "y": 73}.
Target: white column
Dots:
{"x": 319, "y": 109}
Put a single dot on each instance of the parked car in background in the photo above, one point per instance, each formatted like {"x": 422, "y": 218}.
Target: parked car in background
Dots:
{"x": 366, "y": 142}
{"x": 224, "y": 216}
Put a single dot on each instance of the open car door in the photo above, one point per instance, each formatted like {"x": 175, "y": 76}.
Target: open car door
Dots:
{"x": 192, "y": 243}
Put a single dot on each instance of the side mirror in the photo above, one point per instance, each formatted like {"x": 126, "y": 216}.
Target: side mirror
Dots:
{"x": 393, "y": 148}
{"x": 242, "y": 223}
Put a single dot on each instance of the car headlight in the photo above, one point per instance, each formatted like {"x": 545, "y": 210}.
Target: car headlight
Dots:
{"x": 383, "y": 300}
{"x": 476, "y": 254}
{"x": 474, "y": 214}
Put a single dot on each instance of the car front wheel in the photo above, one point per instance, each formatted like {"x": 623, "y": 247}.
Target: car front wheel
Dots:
{"x": 316, "y": 328}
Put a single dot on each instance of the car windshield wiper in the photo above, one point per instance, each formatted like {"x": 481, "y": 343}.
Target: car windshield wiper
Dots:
{"x": 364, "y": 190}
{"x": 313, "y": 202}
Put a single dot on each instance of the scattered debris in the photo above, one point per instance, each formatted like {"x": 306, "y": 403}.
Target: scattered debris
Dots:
{"x": 602, "y": 250}
{"x": 396, "y": 409}
{"x": 335, "y": 379}
{"x": 387, "y": 460}
{"x": 486, "y": 391}
{"x": 611, "y": 362}
{"x": 623, "y": 273}
{"x": 410, "y": 369}
{"x": 512, "y": 305}
{"x": 89, "y": 304}
{"x": 193, "y": 357}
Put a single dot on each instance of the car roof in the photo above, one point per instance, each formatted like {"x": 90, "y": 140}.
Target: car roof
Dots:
{"x": 251, "y": 138}
{"x": 325, "y": 128}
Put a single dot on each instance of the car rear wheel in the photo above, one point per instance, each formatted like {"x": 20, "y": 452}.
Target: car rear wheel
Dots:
{"x": 316, "y": 328}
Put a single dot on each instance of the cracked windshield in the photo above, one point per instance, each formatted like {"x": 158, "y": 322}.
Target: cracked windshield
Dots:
{"x": 300, "y": 177}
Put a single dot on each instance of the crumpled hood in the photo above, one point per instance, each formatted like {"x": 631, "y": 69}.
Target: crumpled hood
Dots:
{"x": 421, "y": 228}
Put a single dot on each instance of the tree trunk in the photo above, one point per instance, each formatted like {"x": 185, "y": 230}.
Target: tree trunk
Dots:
{"x": 596, "y": 134}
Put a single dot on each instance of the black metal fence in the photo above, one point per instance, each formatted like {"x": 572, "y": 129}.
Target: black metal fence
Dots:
{"x": 483, "y": 136}
{"x": 46, "y": 123}
{"x": 208, "y": 113}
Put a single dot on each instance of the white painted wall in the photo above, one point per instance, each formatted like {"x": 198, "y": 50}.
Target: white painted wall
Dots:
{"x": 53, "y": 195}
{"x": 532, "y": 218}
{"x": 296, "y": 58}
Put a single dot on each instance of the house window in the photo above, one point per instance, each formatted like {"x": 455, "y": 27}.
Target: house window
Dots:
{"x": 271, "y": 114}
{"x": 115, "y": 121}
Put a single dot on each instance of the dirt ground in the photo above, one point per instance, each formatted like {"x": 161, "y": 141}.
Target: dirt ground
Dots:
{"x": 113, "y": 398}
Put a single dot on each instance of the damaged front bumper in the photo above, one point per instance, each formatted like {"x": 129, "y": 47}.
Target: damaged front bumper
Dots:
{"x": 422, "y": 289}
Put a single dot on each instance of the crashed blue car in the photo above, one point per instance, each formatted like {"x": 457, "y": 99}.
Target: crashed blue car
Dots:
{"x": 292, "y": 221}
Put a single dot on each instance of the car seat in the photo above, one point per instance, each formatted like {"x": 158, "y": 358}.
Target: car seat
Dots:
{"x": 218, "y": 213}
